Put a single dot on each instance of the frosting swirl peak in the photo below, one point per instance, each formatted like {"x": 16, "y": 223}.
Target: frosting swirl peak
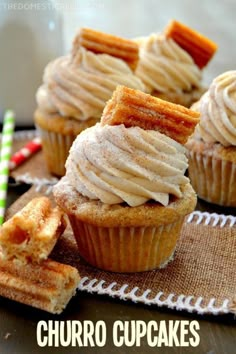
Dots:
{"x": 78, "y": 86}
{"x": 164, "y": 66}
{"x": 115, "y": 164}
{"x": 218, "y": 111}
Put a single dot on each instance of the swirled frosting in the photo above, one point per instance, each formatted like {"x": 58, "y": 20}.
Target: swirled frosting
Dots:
{"x": 115, "y": 164}
{"x": 218, "y": 111}
{"x": 164, "y": 66}
{"x": 79, "y": 86}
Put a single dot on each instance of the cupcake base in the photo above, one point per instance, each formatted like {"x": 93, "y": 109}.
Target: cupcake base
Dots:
{"x": 183, "y": 98}
{"x": 57, "y": 134}
{"x": 55, "y": 149}
{"x": 212, "y": 171}
{"x": 126, "y": 249}
{"x": 119, "y": 238}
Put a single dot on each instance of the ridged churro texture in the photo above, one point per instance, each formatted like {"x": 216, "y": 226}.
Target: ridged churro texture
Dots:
{"x": 31, "y": 234}
{"x": 26, "y": 273}
{"x": 99, "y": 42}
{"x": 47, "y": 286}
{"x": 135, "y": 108}
{"x": 198, "y": 46}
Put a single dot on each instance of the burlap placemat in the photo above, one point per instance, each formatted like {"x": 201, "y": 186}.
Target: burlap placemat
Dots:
{"x": 201, "y": 278}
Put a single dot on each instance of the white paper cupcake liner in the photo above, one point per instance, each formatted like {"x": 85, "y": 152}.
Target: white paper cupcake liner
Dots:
{"x": 214, "y": 180}
{"x": 56, "y": 149}
{"x": 126, "y": 249}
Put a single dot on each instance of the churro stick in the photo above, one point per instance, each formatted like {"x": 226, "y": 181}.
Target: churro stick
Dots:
{"x": 198, "y": 46}
{"x": 135, "y": 108}
{"x": 99, "y": 42}
{"x": 48, "y": 286}
{"x": 31, "y": 234}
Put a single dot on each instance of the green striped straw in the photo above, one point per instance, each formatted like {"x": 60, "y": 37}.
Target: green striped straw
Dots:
{"x": 5, "y": 154}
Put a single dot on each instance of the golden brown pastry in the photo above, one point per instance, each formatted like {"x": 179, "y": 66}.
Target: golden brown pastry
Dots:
{"x": 100, "y": 42}
{"x": 31, "y": 234}
{"x": 198, "y": 46}
{"x": 47, "y": 286}
{"x": 135, "y": 108}
{"x": 27, "y": 274}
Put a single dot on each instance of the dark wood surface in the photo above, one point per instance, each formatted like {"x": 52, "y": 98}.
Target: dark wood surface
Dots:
{"x": 18, "y": 323}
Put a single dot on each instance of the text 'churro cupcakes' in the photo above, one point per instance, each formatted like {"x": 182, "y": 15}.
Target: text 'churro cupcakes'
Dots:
{"x": 125, "y": 191}
{"x": 171, "y": 63}
{"x": 212, "y": 148}
{"x": 76, "y": 87}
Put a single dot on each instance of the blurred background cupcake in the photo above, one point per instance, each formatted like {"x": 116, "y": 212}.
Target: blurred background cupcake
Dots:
{"x": 171, "y": 63}
{"x": 76, "y": 87}
{"x": 212, "y": 148}
{"x": 42, "y": 31}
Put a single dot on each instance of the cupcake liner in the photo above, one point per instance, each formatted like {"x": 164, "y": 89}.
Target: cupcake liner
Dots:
{"x": 126, "y": 249}
{"x": 56, "y": 148}
{"x": 213, "y": 179}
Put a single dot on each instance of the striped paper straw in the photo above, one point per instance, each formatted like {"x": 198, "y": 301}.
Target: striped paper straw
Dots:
{"x": 25, "y": 152}
{"x": 5, "y": 154}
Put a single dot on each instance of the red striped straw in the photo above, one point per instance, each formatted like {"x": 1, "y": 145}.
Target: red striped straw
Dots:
{"x": 24, "y": 153}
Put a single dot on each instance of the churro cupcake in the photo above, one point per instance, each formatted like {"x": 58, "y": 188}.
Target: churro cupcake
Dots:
{"x": 212, "y": 148}
{"x": 125, "y": 191}
{"x": 76, "y": 87}
{"x": 171, "y": 63}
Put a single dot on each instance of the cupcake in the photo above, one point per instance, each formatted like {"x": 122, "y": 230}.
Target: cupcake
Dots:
{"x": 212, "y": 148}
{"x": 124, "y": 190}
{"x": 76, "y": 87}
{"x": 171, "y": 63}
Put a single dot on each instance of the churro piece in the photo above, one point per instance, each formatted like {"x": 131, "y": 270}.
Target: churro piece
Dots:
{"x": 135, "y": 108}
{"x": 99, "y": 42}
{"x": 48, "y": 286}
{"x": 31, "y": 234}
{"x": 198, "y": 46}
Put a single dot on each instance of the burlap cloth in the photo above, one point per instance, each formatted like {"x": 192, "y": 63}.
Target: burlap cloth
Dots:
{"x": 201, "y": 278}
